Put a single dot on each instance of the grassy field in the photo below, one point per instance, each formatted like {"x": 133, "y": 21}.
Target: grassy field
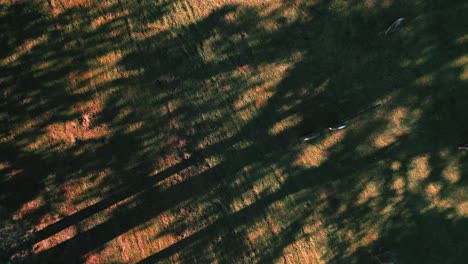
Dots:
{"x": 166, "y": 131}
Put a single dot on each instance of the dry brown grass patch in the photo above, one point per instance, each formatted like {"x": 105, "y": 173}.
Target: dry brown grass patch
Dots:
{"x": 72, "y": 77}
{"x": 23, "y": 49}
{"x": 4, "y": 165}
{"x": 247, "y": 113}
{"x": 175, "y": 142}
{"x": 257, "y": 233}
{"x": 287, "y": 123}
{"x": 92, "y": 259}
{"x": 371, "y": 236}
{"x": 396, "y": 165}
{"x": 433, "y": 191}
{"x": 395, "y": 128}
{"x": 29, "y": 208}
{"x": 314, "y": 155}
{"x": 261, "y": 99}
{"x": 384, "y": 140}
{"x": 452, "y": 172}
{"x": 333, "y": 139}
{"x": 111, "y": 58}
{"x": 243, "y": 69}
{"x": 30, "y": 124}
{"x": 166, "y": 161}
{"x": 132, "y": 128}
{"x": 311, "y": 156}
{"x": 241, "y": 103}
{"x": 398, "y": 115}
{"x": 398, "y": 186}
{"x": 371, "y": 190}
{"x": 304, "y": 250}
{"x": 81, "y": 186}
{"x": 231, "y": 17}
{"x": 46, "y": 220}
{"x": 108, "y": 17}
{"x": 56, "y": 239}
{"x": 69, "y": 131}
{"x": 419, "y": 171}
{"x": 151, "y": 30}
{"x": 72, "y": 3}
{"x": 462, "y": 209}
{"x": 462, "y": 62}
{"x": 59, "y": 6}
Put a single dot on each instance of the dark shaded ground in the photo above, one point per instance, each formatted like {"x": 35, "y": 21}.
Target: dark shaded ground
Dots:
{"x": 345, "y": 67}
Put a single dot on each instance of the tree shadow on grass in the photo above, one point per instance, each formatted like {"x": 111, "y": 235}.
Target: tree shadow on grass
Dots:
{"x": 54, "y": 128}
{"x": 374, "y": 188}
{"x": 351, "y": 155}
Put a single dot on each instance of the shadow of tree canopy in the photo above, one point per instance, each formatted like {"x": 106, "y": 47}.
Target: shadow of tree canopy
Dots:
{"x": 166, "y": 131}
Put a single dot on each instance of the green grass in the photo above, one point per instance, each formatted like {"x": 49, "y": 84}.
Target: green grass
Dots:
{"x": 195, "y": 110}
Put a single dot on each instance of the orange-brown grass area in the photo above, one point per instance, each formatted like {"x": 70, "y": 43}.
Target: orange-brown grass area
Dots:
{"x": 168, "y": 131}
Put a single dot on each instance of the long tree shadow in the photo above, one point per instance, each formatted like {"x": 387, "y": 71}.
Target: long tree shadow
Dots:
{"x": 55, "y": 129}
{"x": 343, "y": 161}
{"x": 359, "y": 195}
